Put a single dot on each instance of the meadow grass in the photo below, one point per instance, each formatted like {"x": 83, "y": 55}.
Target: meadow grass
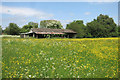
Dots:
{"x": 60, "y": 58}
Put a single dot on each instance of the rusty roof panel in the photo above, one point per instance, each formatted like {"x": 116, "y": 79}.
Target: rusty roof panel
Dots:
{"x": 48, "y": 33}
{"x": 52, "y": 30}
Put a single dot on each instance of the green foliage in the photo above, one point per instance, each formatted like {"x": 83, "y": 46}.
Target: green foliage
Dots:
{"x": 88, "y": 35}
{"x": 12, "y": 29}
{"x": 119, "y": 30}
{"x": 53, "y": 24}
{"x": 103, "y": 26}
{"x": 26, "y": 28}
{"x": 34, "y": 25}
{"x": 77, "y": 26}
{"x": 0, "y": 30}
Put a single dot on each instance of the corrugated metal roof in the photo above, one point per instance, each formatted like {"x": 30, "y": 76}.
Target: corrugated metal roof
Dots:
{"x": 48, "y": 33}
{"x": 52, "y": 30}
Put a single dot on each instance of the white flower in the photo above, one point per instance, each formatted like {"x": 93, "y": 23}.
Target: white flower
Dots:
{"x": 65, "y": 68}
{"x": 53, "y": 63}
{"x": 73, "y": 76}
{"x": 53, "y": 67}
{"x": 40, "y": 74}
{"x": 47, "y": 77}
{"x": 34, "y": 76}
{"x": 29, "y": 75}
{"x": 88, "y": 74}
{"x": 51, "y": 58}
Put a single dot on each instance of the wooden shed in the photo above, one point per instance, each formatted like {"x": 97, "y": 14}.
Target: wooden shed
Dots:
{"x": 46, "y": 32}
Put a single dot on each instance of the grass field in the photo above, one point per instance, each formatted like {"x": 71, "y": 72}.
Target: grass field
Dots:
{"x": 59, "y": 58}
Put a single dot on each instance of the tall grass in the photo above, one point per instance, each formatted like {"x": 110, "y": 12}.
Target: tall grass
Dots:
{"x": 60, "y": 58}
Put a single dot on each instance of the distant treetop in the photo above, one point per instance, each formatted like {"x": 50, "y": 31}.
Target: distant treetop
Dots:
{"x": 53, "y": 24}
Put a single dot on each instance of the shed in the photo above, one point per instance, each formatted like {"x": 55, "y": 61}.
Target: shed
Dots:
{"x": 47, "y": 32}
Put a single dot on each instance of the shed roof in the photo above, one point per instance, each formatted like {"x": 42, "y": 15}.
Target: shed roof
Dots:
{"x": 38, "y": 30}
{"x": 48, "y": 33}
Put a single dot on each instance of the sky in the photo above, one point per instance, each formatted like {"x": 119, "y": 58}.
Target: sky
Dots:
{"x": 23, "y": 12}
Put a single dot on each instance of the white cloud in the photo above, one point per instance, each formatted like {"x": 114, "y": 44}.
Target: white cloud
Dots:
{"x": 20, "y": 21}
{"x": 28, "y": 12}
{"x": 22, "y": 16}
{"x": 60, "y": 0}
{"x": 87, "y": 13}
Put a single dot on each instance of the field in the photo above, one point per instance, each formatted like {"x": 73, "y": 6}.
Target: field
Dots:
{"x": 60, "y": 58}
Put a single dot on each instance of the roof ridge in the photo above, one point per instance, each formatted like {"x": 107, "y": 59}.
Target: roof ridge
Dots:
{"x": 52, "y": 30}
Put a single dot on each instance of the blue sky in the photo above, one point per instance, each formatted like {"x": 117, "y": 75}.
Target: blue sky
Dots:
{"x": 23, "y": 12}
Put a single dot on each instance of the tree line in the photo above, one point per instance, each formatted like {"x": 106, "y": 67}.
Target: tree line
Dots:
{"x": 103, "y": 26}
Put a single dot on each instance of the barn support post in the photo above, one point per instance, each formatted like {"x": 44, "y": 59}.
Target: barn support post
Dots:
{"x": 36, "y": 35}
{"x": 68, "y": 36}
{"x": 24, "y": 35}
{"x": 33, "y": 35}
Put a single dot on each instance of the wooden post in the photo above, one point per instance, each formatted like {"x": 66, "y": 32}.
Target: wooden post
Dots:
{"x": 28, "y": 36}
{"x": 24, "y": 35}
{"x": 37, "y": 36}
{"x": 68, "y": 36}
{"x": 33, "y": 35}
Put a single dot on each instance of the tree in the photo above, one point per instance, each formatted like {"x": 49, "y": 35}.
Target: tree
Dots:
{"x": 26, "y": 28}
{"x": 119, "y": 30}
{"x": 34, "y": 25}
{"x": 103, "y": 26}
{"x": 77, "y": 26}
{"x": 12, "y": 29}
{"x": 0, "y": 30}
{"x": 53, "y": 24}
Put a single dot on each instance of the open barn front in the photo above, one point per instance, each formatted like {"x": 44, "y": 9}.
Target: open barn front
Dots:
{"x": 49, "y": 33}
{"x": 55, "y": 35}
